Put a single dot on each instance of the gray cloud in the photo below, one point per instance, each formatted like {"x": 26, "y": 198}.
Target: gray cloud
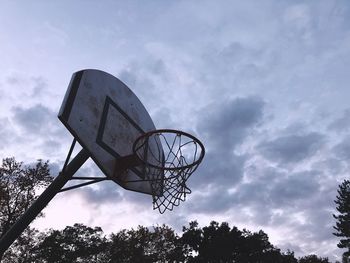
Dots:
{"x": 178, "y": 220}
{"x": 40, "y": 84}
{"x": 164, "y": 118}
{"x": 223, "y": 127}
{"x": 219, "y": 169}
{"x": 294, "y": 187}
{"x": 342, "y": 150}
{"x": 227, "y": 124}
{"x": 292, "y": 148}
{"x": 55, "y": 168}
{"x": 101, "y": 192}
{"x": 277, "y": 189}
{"x": 270, "y": 189}
{"x": 50, "y": 146}
{"x": 35, "y": 119}
{"x": 341, "y": 124}
{"x": 107, "y": 192}
{"x": 41, "y": 125}
{"x": 212, "y": 200}
{"x": 5, "y": 132}
{"x": 14, "y": 80}
{"x": 330, "y": 165}
{"x": 141, "y": 79}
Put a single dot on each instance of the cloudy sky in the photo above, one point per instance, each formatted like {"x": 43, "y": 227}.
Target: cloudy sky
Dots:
{"x": 264, "y": 84}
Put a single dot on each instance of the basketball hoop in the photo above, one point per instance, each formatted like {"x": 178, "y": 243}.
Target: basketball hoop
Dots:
{"x": 169, "y": 157}
{"x": 108, "y": 120}
{"x": 111, "y": 123}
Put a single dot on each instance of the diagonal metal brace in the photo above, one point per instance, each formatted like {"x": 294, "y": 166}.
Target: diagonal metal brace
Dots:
{"x": 92, "y": 181}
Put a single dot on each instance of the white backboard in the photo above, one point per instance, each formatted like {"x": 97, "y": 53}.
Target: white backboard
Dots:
{"x": 106, "y": 117}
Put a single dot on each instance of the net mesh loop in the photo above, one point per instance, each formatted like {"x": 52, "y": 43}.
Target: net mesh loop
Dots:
{"x": 169, "y": 157}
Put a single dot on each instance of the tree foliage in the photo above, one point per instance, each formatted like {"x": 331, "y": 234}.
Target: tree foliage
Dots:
{"x": 23, "y": 248}
{"x": 216, "y": 243}
{"x": 342, "y": 225}
{"x": 78, "y": 243}
{"x": 313, "y": 259}
{"x": 18, "y": 187}
{"x": 156, "y": 244}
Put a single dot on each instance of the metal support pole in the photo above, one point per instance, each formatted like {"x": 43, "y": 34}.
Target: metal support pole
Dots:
{"x": 29, "y": 215}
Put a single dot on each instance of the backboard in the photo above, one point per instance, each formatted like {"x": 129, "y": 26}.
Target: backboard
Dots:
{"x": 106, "y": 118}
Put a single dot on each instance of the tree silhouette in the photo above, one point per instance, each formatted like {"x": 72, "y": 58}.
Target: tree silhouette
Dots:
{"x": 191, "y": 240}
{"x": 218, "y": 243}
{"x": 18, "y": 184}
{"x": 313, "y": 259}
{"x": 23, "y": 249}
{"x": 215, "y": 243}
{"x": 77, "y": 243}
{"x": 18, "y": 187}
{"x": 342, "y": 226}
{"x": 165, "y": 245}
{"x": 157, "y": 244}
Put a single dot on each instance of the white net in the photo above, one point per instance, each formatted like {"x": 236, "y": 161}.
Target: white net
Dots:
{"x": 168, "y": 164}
